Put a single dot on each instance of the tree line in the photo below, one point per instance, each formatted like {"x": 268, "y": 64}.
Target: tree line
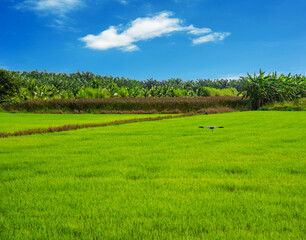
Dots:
{"x": 43, "y": 85}
{"x": 16, "y": 86}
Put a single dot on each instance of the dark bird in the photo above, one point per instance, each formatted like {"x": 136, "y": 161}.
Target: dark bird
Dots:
{"x": 210, "y": 127}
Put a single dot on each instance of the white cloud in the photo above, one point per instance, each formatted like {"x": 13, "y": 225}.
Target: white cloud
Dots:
{"x": 198, "y": 31}
{"x": 143, "y": 29}
{"x": 56, "y": 7}
{"x": 130, "y": 48}
{"x": 213, "y": 37}
{"x": 124, "y": 2}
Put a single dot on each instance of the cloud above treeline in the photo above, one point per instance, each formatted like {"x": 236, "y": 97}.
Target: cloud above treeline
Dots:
{"x": 140, "y": 29}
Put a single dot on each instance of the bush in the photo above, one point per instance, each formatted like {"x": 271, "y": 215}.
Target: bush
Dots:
{"x": 211, "y": 92}
{"x": 229, "y": 92}
{"x": 296, "y": 105}
{"x": 9, "y": 87}
{"x": 94, "y": 93}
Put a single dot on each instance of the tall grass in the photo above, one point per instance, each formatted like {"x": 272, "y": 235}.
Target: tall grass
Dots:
{"x": 182, "y": 104}
{"x": 296, "y": 105}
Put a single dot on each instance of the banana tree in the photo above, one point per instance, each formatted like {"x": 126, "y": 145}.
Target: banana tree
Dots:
{"x": 262, "y": 89}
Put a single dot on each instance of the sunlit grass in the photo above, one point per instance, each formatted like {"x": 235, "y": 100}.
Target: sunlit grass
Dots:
{"x": 160, "y": 180}
{"x": 11, "y": 122}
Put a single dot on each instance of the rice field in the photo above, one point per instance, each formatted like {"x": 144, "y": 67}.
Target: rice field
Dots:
{"x": 23, "y": 121}
{"x": 155, "y": 180}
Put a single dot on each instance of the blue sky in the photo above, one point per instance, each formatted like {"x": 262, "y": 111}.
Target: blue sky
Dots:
{"x": 160, "y": 39}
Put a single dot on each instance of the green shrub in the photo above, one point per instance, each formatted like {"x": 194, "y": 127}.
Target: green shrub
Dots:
{"x": 210, "y": 92}
{"x": 204, "y": 92}
{"x": 296, "y": 105}
{"x": 123, "y": 92}
{"x": 229, "y": 92}
{"x": 9, "y": 87}
{"x": 94, "y": 93}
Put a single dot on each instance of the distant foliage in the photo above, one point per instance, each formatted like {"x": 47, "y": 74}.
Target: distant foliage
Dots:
{"x": 257, "y": 90}
{"x": 9, "y": 87}
{"x": 207, "y": 91}
{"x": 43, "y": 85}
{"x": 263, "y": 89}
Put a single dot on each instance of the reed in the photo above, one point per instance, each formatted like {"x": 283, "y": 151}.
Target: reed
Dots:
{"x": 180, "y": 104}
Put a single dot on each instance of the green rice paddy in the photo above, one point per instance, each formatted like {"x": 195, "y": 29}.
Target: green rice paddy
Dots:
{"x": 23, "y": 121}
{"x": 156, "y": 180}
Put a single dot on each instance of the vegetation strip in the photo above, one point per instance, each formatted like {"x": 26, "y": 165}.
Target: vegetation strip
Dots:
{"x": 42, "y": 85}
{"x": 91, "y": 125}
{"x": 161, "y": 105}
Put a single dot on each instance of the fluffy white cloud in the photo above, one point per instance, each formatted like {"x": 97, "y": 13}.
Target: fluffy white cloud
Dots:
{"x": 198, "y": 31}
{"x": 141, "y": 29}
{"x": 213, "y": 37}
{"x": 57, "y": 7}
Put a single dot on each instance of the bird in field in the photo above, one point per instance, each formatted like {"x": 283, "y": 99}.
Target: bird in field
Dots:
{"x": 210, "y": 127}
